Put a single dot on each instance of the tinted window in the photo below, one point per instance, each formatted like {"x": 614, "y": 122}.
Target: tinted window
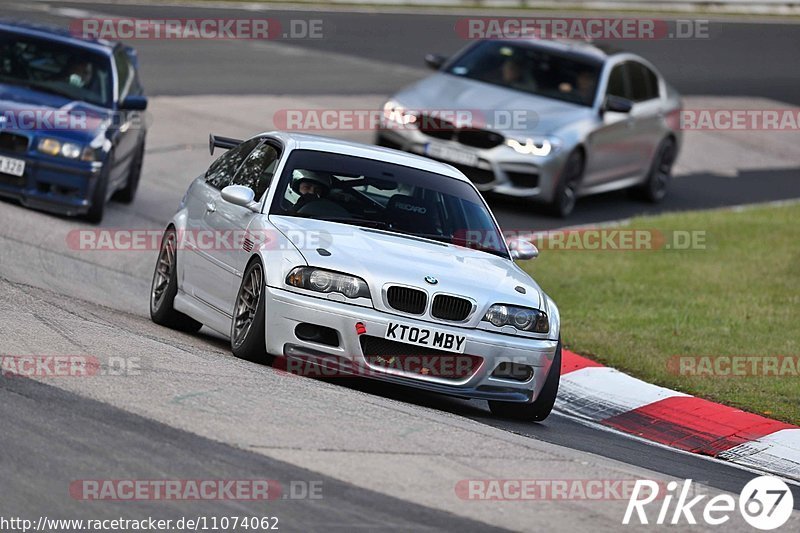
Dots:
{"x": 258, "y": 169}
{"x": 616, "y": 82}
{"x": 644, "y": 83}
{"x": 221, "y": 171}
{"x": 71, "y": 71}
{"x": 386, "y": 197}
{"x": 531, "y": 69}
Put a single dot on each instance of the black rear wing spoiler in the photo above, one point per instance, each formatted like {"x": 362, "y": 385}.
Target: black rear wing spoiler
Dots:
{"x": 215, "y": 141}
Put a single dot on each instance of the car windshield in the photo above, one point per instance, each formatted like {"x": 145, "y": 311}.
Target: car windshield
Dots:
{"x": 530, "y": 69}
{"x": 54, "y": 67}
{"x": 385, "y": 196}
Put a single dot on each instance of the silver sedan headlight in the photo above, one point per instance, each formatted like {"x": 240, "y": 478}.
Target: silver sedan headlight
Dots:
{"x": 394, "y": 112}
{"x": 325, "y": 281}
{"x": 541, "y": 146}
{"x": 522, "y": 318}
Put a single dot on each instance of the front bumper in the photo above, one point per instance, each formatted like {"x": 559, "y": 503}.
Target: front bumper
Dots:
{"x": 285, "y": 310}
{"x": 500, "y": 170}
{"x": 62, "y": 187}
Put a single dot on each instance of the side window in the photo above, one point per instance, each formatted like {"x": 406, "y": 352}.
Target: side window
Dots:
{"x": 124, "y": 71}
{"x": 258, "y": 169}
{"x": 616, "y": 82}
{"x": 221, "y": 171}
{"x": 644, "y": 83}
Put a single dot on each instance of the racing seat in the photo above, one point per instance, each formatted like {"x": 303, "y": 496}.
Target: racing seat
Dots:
{"x": 411, "y": 214}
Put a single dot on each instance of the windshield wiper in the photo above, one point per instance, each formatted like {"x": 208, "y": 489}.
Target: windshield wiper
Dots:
{"x": 378, "y": 224}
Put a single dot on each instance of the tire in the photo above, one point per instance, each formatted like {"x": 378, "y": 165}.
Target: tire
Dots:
{"x": 165, "y": 286}
{"x": 566, "y": 195}
{"x": 248, "y": 330}
{"x": 128, "y": 193}
{"x": 541, "y": 407}
{"x": 655, "y": 188}
{"x": 98, "y": 205}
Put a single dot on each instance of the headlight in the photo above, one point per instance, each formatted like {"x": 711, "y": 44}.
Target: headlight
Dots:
{"x": 55, "y": 147}
{"x": 319, "y": 280}
{"x": 538, "y": 146}
{"x": 522, "y": 318}
{"x": 394, "y": 112}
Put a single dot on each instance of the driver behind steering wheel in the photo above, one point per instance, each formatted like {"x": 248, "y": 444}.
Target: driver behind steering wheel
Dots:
{"x": 311, "y": 187}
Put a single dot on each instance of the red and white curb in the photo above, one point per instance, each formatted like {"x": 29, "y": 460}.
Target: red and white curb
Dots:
{"x": 603, "y": 395}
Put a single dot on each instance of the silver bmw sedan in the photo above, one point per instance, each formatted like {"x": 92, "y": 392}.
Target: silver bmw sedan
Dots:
{"x": 545, "y": 120}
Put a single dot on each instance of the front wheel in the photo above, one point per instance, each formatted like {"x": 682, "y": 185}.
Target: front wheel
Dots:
{"x": 98, "y": 198}
{"x": 567, "y": 189}
{"x": 541, "y": 407}
{"x": 248, "y": 331}
{"x": 128, "y": 193}
{"x": 165, "y": 287}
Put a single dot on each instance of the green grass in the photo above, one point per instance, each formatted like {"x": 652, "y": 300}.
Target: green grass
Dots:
{"x": 634, "y": 310}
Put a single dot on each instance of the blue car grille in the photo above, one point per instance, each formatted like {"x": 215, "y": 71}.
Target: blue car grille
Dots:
{"x": 12, "y": 142}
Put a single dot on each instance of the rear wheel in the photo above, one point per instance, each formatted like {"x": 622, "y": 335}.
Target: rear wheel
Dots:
{"x": 655, "y": 188}
{"x": 248, "y": 330}
{"x": 541, "y": 407}
{"x": 567, "y": 189}
{"x": 165, "y": 287}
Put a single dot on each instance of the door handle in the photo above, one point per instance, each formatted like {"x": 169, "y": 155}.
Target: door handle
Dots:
{"x": 211, "y": 207}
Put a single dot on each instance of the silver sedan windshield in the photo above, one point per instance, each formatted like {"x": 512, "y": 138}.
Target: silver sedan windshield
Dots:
{"x": 530, "y": 69}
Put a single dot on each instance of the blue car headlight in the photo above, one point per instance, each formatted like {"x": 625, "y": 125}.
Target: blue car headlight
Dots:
{"x": 68, "y": 150}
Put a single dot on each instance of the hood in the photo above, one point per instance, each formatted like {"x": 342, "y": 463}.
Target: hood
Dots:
{"x": 381, "y": 257}
{"x": 44, "y": 113}
{"x": 449, "y": 92}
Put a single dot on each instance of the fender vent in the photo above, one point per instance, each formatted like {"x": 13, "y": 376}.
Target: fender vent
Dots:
{"x": 247, "y": 245}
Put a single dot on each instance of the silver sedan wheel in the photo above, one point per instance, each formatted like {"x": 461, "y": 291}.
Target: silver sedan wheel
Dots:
{"x": 662, "y": 171}
{"x": 247, "y": 304}
{"x": 164, "y": 268}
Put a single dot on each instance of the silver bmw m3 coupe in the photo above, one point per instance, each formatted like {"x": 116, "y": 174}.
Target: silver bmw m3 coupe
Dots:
{"x": 545, "y": 120}
{"x": 363, "y": 261}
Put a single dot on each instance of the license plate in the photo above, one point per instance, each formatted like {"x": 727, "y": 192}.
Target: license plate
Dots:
{"x": 432, "y": 338}
{"x": 453, "y": 155}
{"x": 8, "y": 165}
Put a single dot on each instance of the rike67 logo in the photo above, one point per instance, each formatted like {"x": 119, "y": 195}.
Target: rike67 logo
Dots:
{"x": 765, "y": 503}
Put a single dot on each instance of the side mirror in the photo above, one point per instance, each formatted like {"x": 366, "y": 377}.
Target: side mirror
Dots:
{"x": 617, "y": 104}
{"x": 522, "y": 249}
{"x": 134, "y": 103}
{"x": 435, "y": 61}
{"x": 240, "y": 195}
